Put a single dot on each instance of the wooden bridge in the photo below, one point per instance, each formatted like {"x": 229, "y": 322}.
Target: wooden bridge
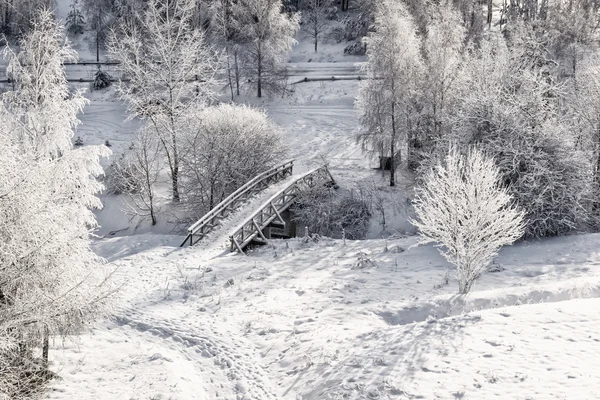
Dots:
{"x": 251, "y": 229}
{"x": 205, "y": 224}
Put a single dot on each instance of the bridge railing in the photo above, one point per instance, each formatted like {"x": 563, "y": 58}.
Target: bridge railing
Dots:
{"x": 271, "y": 210}
{"x": 200, "y": 228}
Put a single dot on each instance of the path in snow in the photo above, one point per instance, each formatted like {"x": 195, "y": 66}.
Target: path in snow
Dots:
{"x": 166, "y": 331}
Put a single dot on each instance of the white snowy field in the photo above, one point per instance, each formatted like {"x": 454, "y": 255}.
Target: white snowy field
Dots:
{"x": 299, "y": 320}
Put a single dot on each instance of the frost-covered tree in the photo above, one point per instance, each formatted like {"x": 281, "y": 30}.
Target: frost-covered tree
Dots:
{"x": 585, "y": 111}
{"x": 102, "y": 79}
{"x": 227, "y": 146}
{"x": 170, "y": 71}
{"x": 16, "y": 15}
{"x": 100, "y": 17}
{"x": 387, "y": 100}
{"x": 268, "y": 34}
{"x": 316, "y": 19}
{"x": 51, "y": 282}
{"x": 75, "y": 22}
{"x": 136, "y": 174}
{"x": 462, "y": 206}
{"x": 443, "y": 49}
{"x": 510, "y": 109}
{"x": 225, "y": 32}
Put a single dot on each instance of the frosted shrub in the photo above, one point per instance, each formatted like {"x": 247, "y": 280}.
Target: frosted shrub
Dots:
{"x": 226, "y": 147}
{"x": 512, "y": 113}
{"x": 463, "y": 208}
{"x": 327, "y": 213}
{"x": 120, "y": 178}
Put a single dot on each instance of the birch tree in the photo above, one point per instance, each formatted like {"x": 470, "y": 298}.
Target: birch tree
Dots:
{"x": 170, "y": 70}
{"x": 268, "y": 34}
{"x": 51, "y": 282}
{"x": 387, "y": 100}
{"x": 226, "y": 32}
{"x": 462, "y": 206}
{"x": 443, "y": 49}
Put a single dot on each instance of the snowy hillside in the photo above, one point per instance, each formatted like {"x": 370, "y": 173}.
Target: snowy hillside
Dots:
{"x": 329, "y": 320}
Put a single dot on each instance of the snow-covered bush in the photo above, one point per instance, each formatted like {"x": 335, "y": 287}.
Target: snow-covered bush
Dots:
{"x": 101, "y": 80}
{"x": 511, "y": 113}
{"x": 120, "y": 178}
{"x": 135, "y": 175}
{"x": 227, "y": 146}
{"x": 462, "y": 206}
{"x": 327, "y": 213}
{"x": 19, "y": 380}
{"x": 357, "y": 48}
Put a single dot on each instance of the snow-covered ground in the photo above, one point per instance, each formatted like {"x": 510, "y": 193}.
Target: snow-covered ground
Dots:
{"x": 330, "y": 320}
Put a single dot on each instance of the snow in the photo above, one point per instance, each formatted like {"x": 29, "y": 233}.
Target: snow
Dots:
{"x": 301, "y": 320}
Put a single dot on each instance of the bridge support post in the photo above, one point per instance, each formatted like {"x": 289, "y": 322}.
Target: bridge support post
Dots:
{"x": 258, "y": 230}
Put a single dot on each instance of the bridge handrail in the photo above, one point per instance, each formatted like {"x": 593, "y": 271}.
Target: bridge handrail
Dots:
{"x": 237, "y": 194}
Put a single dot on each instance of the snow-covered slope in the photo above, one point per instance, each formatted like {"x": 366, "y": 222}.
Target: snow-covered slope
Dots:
{"x": 329, "y": 320}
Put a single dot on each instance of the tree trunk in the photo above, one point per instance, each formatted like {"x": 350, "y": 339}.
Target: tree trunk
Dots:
{"x": 259, "y": 77}
{"x": 315, "y": 26}
{"x": 152, "y": 213}
{"x": 392, "y": 165}
{"x": 393, "y": 148}
{"x": 489, "y": 13}
{"x": 175, "y": 181}
{"x": 175, "y": 169}
{"x": 98, "y": 37}
{"x": 237, "y": 72}
{"x": 229, "y": 72}
{"x": 148, "y": 173}
{"x": 46, "y": 347}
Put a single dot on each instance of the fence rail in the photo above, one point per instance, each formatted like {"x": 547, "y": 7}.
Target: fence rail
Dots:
{"x": 271, "y": 210}
{"x": 205, "y": 224}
